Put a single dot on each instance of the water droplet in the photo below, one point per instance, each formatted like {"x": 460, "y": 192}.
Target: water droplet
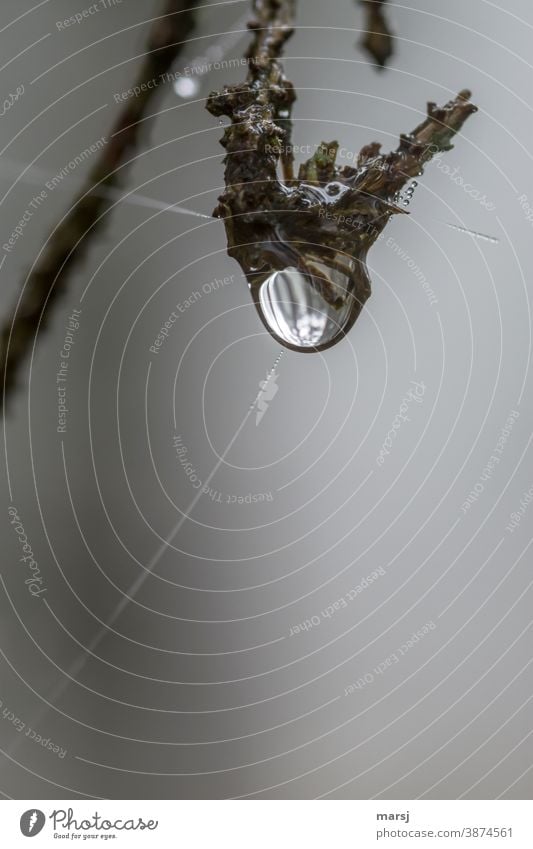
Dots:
{"x": 333, "y": 188}
{"x": 307, "y": 311}
{"x": 407, "y": 196}
{"x": 186, "y": 87}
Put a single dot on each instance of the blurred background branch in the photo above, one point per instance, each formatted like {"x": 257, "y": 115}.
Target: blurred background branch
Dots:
{"x": 71, "y": 239}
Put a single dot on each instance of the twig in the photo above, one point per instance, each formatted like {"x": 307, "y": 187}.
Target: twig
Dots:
{"x": 330, "y": 216}
{"x": 263, "y": 103}
{"x": 378, "y": 40}
{"x": 71, "y": 239}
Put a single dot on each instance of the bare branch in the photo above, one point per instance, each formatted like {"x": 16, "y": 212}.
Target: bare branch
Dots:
{"x": 71, "y": 239}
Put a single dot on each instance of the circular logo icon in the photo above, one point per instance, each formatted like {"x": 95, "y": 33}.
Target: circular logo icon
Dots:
{"x": 32, "y": 822}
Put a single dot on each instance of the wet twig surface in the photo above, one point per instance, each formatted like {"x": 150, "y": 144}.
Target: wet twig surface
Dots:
{"x": 71, "y": 239}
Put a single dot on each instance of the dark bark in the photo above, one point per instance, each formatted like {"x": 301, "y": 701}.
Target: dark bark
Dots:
{"x": 378, "y": 39}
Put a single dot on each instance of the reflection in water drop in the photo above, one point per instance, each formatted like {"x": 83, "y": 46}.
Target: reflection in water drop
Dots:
{"x": 307, "y": 312}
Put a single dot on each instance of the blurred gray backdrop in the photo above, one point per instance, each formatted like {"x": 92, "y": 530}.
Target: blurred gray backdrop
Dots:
{"x": 333, "y": 601}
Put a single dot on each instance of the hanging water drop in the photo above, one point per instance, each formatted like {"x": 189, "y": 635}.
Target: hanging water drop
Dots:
{"x": 333, "y": 189}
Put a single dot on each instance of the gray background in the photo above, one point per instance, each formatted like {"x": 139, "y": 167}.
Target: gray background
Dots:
{"x": 167, "y": 669}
